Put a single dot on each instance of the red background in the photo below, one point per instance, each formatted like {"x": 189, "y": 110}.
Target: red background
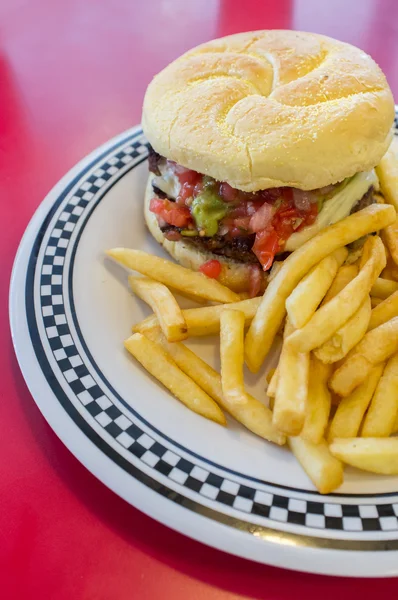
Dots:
{"x": 73, "y": 74}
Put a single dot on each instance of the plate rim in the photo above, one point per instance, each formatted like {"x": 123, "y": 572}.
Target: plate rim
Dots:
{"x": 31, "y": 370}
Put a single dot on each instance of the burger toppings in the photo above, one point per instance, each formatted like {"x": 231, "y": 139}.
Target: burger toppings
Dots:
{"x": 211, "y": 268}
{"x": 208, "y": 210}
{"x": 171, "y": 212}
{"x": 249, "y": 227}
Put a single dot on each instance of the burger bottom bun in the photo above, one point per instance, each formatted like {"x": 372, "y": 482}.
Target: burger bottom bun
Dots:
{"x": 234, "y": 274}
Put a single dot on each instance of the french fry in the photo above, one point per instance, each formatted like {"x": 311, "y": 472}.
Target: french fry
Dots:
{"x": 253, "y": 414}
{"x": 390, "y": 238}
{"x": 380, "y": 418}
{"x": 379, "y": 198}
{"x": 318, "y": 402}
{"x": 272, "y": 308}
{"x": 324, "y": 470}
{"x": 306, "y": 297}
{"x": 190, "y": 297}
{"x": 387, "y": 172}
{"x": 333, "y": 315}
{"x": 159, "y": 364}
{"x": 383, "y": 312}
{"x": 348, "y": 336}
{"x": 395, "y": 426}
{"x": 276, "y": 266}
{"x": 377, "y": 455}
{"x": 270, "y": 375}
{"x": 232, "y": 324}
{"x": 375, "y": 301}
{"x": 350, "y": 411}
{"x": 173, "y": 275}
{"x": 382, "y": 288}
{"x": 271, "y": 389}
{"x": 204, "y": 320}
{"x": 164, "y": 305}
{"x": 344, "y": 275}
{"x": 374, "y": 348}
{"x": 292, "y": 388}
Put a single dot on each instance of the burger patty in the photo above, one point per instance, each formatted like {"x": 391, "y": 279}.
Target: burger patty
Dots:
{"x": 366, "y": 200}
{"x": 239, "y": 248}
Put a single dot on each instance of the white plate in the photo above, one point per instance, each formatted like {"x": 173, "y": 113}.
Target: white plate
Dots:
{"x": 70, "y": 312}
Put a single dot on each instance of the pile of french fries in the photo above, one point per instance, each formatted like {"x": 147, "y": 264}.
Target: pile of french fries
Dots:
{"x": 333, "y": 397}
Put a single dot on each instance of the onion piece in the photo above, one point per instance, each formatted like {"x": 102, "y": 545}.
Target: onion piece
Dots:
{"x": 303, "y": 199}
{"x": 262, "y": 217}
{"x": 173, "y": 235}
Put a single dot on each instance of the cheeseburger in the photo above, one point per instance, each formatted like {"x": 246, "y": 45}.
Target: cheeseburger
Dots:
{"x": 258, "y": 141}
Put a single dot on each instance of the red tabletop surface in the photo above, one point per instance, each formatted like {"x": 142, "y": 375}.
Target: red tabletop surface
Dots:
{"x": 73, "y": 74}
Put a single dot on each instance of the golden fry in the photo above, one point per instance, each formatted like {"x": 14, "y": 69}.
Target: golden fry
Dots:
{"x": 204, "y": 320}
{"x": 395, "y": 426}
{"x": 318, "y": 402}
{"x": 159, "y": 364}
{"x": 272, "y": 308}
{"x": 375, "y": 301}
{"x": 164, "y": 305}
{"x": 271, "y": 389}
{"x": 387, "y": 172}
{"x": 324, "y": 470}
{"x": 276, "y": 267}
{"x": 252, "y": 414}
{"x": 232, "y": 324}
{"x": 350, "y": 411}
{"x": 173, "y": 275}
{"x": 390, "y": 238}
{"x": 380, "y": 418}
{"x": 375, "y": 347}
{"x": 333, "y": 315}
{"x": 383, "y": 312}
{"x": 292, "y": 388}
{"x": 382, "y": 288}
{"x": 377, "y": 455}
{"x": 344, "y": 275}
{"x": 348, "y": 336}
{"x": 306, "y": 297}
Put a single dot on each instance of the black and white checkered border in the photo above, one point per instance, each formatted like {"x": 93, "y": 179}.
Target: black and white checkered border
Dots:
{"x": 224, "y": 491}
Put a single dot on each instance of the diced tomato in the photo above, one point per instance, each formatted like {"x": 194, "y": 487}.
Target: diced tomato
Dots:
{"x": 191, "y": 177}
{"x": 311, "y": 215}
{"x": 284, "y": 227}
{"x": 287, "y": 212}
{"x": 211, "y": 268}
{"x": 156, "y": 206}
{"x": 255, "y": 281}
{"x": 186, "y": 191}
{"x": 186, "y": 175}
{"x": 198, "y": 188}
{"x": 228, "y": 193}
{"x": 179, "y": 216}
{"x": 266, "y": 245}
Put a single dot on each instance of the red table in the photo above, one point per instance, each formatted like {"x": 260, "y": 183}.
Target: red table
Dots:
{"x": 72, "y": 75}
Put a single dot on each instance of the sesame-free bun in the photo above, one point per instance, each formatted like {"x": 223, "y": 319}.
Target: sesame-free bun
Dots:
{"x": 234, "y": 274}
{"x": 271, "y": 108}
